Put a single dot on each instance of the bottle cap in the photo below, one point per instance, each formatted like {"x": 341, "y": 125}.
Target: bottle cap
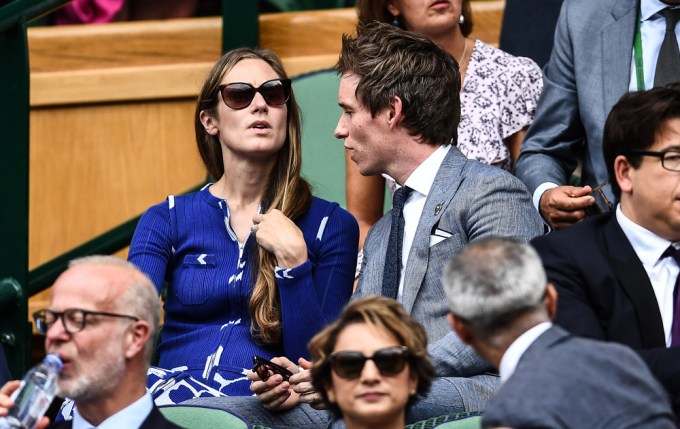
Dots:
{"x": 53, "y": 360}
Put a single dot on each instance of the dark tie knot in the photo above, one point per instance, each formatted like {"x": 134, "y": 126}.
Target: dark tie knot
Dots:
{"x": 673, "y": 253}
{"x": 400, "y": 197}
{"x": 672, "y": 16}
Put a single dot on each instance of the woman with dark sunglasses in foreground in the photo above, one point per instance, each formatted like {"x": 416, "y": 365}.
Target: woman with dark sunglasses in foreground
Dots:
{"x": 254, "y": 263}
{"x": 370, "y": 363}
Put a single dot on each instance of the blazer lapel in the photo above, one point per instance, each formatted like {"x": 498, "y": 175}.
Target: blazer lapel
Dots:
{"x": 633, "y": 278}
{"x": 443, "y": 189}
{"x": 617, "y": 51}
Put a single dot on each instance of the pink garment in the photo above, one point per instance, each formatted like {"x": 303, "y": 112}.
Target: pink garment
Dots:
{"x": 88, "y": 11}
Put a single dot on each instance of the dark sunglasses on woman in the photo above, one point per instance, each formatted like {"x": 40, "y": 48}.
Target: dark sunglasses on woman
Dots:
{"x": 390, "y": 361}
{"x": 239, "y": 95}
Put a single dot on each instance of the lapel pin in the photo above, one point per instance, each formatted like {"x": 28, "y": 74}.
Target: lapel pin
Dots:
{"x": 437, "y": 209}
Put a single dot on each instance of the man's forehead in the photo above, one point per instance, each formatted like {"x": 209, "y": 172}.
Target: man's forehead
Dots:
{"x": 86, "y": 286}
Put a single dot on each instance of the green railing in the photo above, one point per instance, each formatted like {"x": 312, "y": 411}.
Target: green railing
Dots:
{"x": 17, "y": 284}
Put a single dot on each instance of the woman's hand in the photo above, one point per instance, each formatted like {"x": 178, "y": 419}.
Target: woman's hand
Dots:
{"x": 279, "y": 235}
{"x": 6, "y": 402}
{"x": 275, "y": 394}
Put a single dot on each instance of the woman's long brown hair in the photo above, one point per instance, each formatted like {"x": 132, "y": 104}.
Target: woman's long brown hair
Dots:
{"x": 286, "y": 191}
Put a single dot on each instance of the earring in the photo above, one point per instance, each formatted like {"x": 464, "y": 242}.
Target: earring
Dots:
{"x": 395, "y": 21}
{"x": 461, "y": 20}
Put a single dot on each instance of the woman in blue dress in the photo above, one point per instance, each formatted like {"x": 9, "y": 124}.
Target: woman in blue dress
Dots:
{"x": 253, "y": 264}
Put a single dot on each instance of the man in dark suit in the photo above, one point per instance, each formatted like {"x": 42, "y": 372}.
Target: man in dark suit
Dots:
{"x": 615, "y": 273}
{"x": 502, "y": 305}
{"x": 100, "y": 321}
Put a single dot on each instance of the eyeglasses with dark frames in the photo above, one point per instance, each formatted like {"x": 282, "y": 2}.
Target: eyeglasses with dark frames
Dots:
{"x": 73, "y": 319}
{"x": 390, "y": 361}
{"x": 670, "y": 158}
{"x": 239, "y": 95}
{"x": 597, "y": 208}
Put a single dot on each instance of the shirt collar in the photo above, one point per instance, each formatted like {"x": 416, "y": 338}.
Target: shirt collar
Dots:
{"x": 648, "y": 8}
{"x": 648, "y": 246}
{"x": 514, "y": 353}
{"x": 131, "y": 416}
{"x": 423, "y": 176}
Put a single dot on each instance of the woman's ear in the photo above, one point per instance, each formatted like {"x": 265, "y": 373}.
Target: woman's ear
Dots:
{"x": 392, "y": 8}
{"x": 412, "y": 383}
{"x": 330, "y": 392}
{"x": 209, "y": 123}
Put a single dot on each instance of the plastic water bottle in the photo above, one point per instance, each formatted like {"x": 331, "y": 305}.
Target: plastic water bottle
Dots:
{"x": 34, "y": 395}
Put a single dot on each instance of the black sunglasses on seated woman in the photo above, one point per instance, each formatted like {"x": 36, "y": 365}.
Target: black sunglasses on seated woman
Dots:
{"x": 390, "y": 361}
{"x": 239, "y": 95}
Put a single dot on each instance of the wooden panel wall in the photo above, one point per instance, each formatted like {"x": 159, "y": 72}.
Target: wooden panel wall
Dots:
{"x": 111, "y": 124}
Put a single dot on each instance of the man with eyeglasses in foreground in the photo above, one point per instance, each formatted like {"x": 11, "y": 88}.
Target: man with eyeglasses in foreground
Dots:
{"x": 502, "y": 305}
{"x": 100, "y": 321}
{"x": 617, "y": 273}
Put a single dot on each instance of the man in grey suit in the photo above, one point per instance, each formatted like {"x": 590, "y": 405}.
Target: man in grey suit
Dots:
{"x": 592, "y": 65}
{"x": 399, "y": 93}
{"x": 398, "y": 120}
{"x": 502, "y": 304}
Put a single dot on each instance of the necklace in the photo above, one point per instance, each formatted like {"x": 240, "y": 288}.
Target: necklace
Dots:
{"x": 462, "y": 57}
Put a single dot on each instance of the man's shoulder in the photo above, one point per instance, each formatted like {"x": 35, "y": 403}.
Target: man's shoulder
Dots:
{"x": 64, "y": 424}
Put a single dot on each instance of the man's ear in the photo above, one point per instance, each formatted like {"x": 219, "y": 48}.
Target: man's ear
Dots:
{"x": 460, "y": 328}
{"x": 624, "y": 173}
{"x": 138, "y": 335}
{"x": 551, "y": 300}
{"x": 395, "y": 112}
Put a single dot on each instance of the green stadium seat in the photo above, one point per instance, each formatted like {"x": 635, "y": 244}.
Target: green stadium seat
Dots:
{"x": 469, "y": 420}
{"x": 323, "y": 156}
{"x": 198, "y": 417}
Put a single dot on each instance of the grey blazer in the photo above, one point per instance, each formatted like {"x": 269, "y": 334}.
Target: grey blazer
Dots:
{"x": 588, "y": 71}
{"x": 563, "y": 381}
{"x": 469, "y": 200}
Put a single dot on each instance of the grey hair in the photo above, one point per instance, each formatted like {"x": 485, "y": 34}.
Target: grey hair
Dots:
{"x": 492, "y": 280}
{"x": 140, "y": 298}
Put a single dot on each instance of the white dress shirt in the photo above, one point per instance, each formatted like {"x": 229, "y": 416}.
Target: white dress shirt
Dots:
{"x": 652, "y": 30}
{"x": 514, "y": 353}
{"x": 661, "y": 272}
{"x": 420, "y": 181}
{"x": 130, "y": 417}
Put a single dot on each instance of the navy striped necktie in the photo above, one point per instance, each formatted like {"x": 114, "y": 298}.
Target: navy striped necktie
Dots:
{"x": 392, "y": 270}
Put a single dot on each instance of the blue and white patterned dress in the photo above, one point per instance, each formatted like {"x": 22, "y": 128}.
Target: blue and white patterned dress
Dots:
{"x": 206, "y": 345}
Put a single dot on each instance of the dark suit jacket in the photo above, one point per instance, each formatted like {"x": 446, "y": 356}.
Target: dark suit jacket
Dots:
{"x": 155, "y": 420}
{"x": 529, "y": 28}
{"x": 605, "y": 294}
{"x": 563, "y": 381}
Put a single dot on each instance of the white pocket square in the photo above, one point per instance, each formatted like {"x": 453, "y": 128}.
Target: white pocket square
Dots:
{"x": 438, "y": 236}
